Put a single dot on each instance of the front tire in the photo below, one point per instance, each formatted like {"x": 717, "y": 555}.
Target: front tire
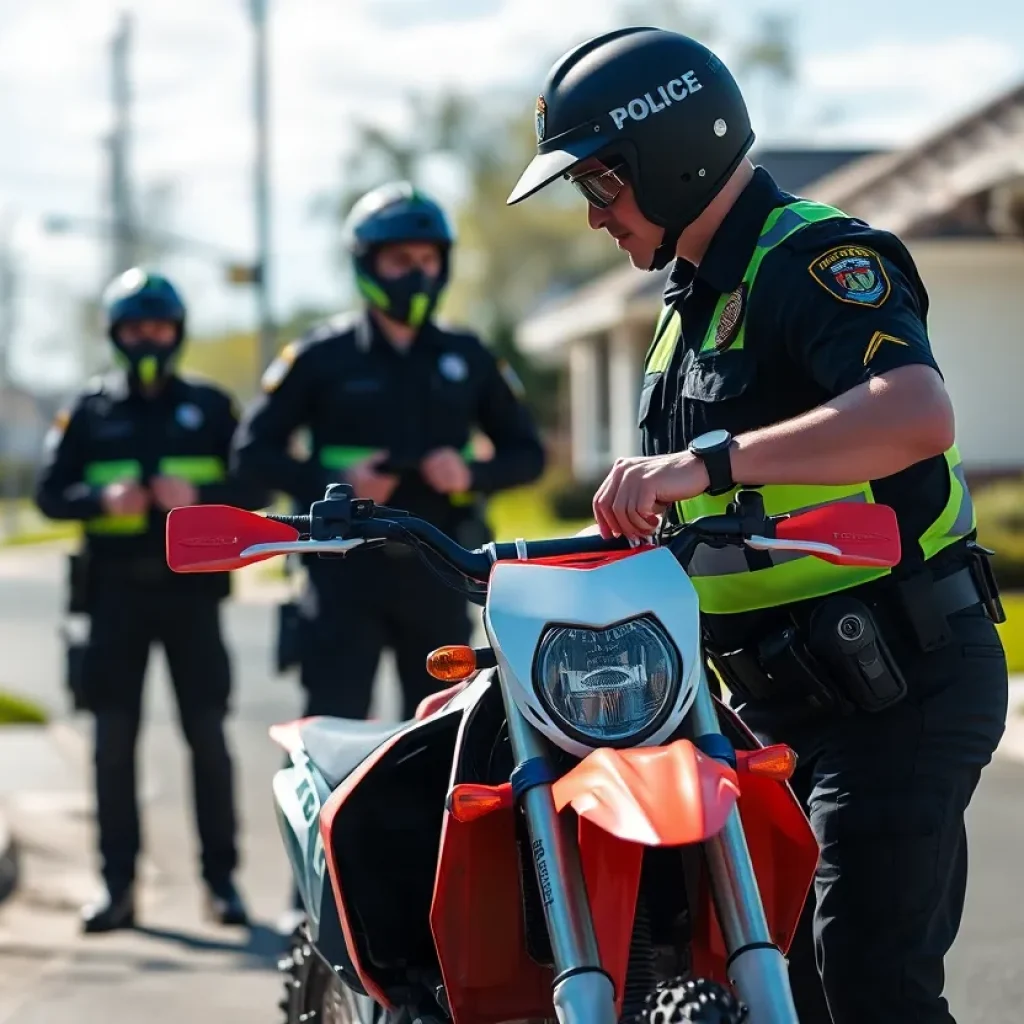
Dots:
{"x": 696, "y": 1001}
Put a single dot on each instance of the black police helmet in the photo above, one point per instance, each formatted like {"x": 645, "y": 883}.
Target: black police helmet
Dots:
{"x": 658, "y": 100}
{"x": 139, "y": 295}
{"x": 395, "y": 212}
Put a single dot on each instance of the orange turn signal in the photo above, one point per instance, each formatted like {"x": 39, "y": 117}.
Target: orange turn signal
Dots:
{"x": 469, "y": 801}
{"x": 775, "y": 762}
{"x": 452, "y": 664}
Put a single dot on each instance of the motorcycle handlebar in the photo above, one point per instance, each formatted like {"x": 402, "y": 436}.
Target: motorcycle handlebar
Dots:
{"x": 340, "y": 516}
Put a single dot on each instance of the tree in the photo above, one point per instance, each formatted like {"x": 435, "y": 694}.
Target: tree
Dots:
{"x": 511, "y": 259}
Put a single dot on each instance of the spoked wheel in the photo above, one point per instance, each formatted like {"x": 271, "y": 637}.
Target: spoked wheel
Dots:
{"x": 313, "y": 995}
{"x": 696, "y": 1001}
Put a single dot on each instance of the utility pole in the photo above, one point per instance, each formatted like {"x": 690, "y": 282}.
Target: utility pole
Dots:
{"x": 261, "y": 182}
{"x": 8, "y": 427}
{"x": 125, "y": 247}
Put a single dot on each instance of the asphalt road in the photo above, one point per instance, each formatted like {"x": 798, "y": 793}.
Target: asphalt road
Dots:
{"x": 177, "y": 969}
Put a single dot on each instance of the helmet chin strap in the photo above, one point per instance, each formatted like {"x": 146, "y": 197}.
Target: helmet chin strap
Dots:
{"x": 666, "y": 252}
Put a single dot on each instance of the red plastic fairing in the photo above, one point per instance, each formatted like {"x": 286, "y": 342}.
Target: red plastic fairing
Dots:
{"x": 327, "y": 816}
{"x": 657, "y": 796}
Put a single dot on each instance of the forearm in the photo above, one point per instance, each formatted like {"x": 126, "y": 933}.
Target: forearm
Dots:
{"x": 872, "y": 431}
{"x": 77, "y": 501}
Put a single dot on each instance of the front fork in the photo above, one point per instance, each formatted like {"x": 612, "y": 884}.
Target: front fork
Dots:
{"x": 583, "y": 992}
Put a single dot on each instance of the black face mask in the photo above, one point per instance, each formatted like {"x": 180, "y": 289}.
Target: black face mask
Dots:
{"x": 409, "y": 299}
{"x": 147, "y": 362}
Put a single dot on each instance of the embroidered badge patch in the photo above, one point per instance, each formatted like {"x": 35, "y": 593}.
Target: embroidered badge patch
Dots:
{"x": 852, "y": 274}
{"x": 732, "y": 317}
{"x": 541, "y": 118}
{"x": 877, "y": 340}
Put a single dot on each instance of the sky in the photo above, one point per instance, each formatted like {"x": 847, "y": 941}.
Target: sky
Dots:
{"x": 876, "y": 71}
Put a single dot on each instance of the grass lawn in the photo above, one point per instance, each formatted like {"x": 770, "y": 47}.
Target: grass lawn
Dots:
{"x": 19, "y": 711}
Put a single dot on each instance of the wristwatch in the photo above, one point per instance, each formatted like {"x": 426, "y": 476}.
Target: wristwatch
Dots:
{"x": 713, "y": 449}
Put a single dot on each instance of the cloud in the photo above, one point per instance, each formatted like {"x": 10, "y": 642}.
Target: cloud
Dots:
{"x": 896, "y": 92}
{"x": 331, "y": 63}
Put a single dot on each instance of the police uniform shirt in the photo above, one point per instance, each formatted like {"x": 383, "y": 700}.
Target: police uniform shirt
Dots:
{"x": 812, "y": 332}
{"x": 357, "y": 393}
{"x": 112, "y": 433}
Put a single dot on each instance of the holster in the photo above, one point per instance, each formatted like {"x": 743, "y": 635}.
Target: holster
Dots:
{"x": 289, "y": 643}
{"x": 74, "y": 670}
{"x": 79, "y": 583}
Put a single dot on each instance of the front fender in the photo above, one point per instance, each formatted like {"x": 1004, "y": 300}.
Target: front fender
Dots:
{"x": 656, "y": 796}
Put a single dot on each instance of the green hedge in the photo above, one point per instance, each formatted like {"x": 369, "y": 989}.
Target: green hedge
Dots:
{"x": 1000, "y": 508}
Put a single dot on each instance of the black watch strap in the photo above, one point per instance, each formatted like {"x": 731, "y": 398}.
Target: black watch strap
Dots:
{"x": 717, "y": 459}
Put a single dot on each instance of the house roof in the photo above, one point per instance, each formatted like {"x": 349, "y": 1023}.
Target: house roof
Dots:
{"x": 898, "y": 191}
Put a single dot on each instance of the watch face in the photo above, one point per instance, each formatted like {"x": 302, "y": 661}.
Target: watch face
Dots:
{"x": 711, "y": 440}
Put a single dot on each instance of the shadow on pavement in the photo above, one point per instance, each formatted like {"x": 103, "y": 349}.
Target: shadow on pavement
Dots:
{"x": 262, "y": 946}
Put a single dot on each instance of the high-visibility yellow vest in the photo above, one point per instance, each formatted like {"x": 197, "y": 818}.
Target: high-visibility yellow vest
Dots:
{"x": 724, "y": 581}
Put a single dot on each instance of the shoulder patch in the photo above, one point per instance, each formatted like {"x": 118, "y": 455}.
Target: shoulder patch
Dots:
{"x": 276, "y": 372}
{"x": 58, "y": 428}
{"x": 511, "y": 378}
{"x": 852, "y": 274}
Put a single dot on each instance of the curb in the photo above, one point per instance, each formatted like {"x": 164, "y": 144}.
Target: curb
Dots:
{"x": 8, "y": 860}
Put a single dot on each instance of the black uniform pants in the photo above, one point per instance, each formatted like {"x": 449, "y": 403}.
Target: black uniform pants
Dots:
{"x": 352, "y": 610}
{"x": 886, "y": 795}
{"x": 127, "y": 618}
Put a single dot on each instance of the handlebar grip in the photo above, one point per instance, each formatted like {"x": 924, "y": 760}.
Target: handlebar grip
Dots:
{"x": 300, "y": 523}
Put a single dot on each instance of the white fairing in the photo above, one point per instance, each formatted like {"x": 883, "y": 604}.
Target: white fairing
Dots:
{"x": 525, "y": 599}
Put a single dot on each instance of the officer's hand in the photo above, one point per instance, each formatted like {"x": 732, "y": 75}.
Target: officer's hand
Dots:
{"x": 173, "y": 492}
{"x": 125, "y": 498}
{"x": 638, "y": 490}
{"x": 446, "y": 471}
{"x": 368, "y": 483}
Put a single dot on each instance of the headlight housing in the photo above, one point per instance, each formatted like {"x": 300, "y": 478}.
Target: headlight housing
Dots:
{"x": 609, "y": 686}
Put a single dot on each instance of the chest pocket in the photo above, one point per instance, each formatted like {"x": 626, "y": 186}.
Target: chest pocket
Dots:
{"x": 718, "y": 391}
{"x": 719, "y": 376}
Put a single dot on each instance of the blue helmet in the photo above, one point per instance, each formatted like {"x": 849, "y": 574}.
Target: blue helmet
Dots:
{"x": 139, "y": 295}
{"x": 395, "y": 213}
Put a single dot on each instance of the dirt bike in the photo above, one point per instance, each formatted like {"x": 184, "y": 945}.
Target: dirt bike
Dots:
{"x": 577, "y": 830}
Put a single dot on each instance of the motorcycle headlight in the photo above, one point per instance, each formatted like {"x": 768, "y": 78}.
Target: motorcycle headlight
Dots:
{"x": 608, "y": 685}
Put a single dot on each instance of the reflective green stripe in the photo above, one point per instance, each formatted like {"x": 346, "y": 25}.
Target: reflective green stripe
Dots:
{"x": 722, "y": 577}
{"x": 339, "y": 456}
{"x": 958, "y": 518}
{"x": 419, "y": 305}
{"x": 781, "y": 223}
{"x": 373, "y": 292}
{"x": 661, "y": 355}
{"x": 117, "y": 525}
{"x": 99, "y": 474}
{"x": 197, "y": 469}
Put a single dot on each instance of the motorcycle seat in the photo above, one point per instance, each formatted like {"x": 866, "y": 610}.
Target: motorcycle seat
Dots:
{"x": 337, "y": 746}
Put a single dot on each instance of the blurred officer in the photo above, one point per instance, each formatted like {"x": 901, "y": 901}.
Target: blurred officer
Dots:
{"x": 136, "y": 444}
{"x": 391, "y": 400}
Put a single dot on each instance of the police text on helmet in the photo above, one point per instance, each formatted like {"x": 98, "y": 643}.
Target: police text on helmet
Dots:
{"x": 673, "y": 91}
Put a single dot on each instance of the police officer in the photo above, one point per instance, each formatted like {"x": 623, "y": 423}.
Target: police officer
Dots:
{"x": 391, "y": 400}
{"x": 792, "y": 356}
{"x": 136, "y": 444}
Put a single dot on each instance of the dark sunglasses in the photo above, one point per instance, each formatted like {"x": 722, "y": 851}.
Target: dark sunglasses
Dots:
{"x": 602, "y": 185}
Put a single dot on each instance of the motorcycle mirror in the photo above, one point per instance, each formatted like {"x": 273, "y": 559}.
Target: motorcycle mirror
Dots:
{"x": 212, "y": 538}
{"x": 845, "y": 533}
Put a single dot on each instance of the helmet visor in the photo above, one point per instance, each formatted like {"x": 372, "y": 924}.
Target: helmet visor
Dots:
{"x": 545, "y": 167}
